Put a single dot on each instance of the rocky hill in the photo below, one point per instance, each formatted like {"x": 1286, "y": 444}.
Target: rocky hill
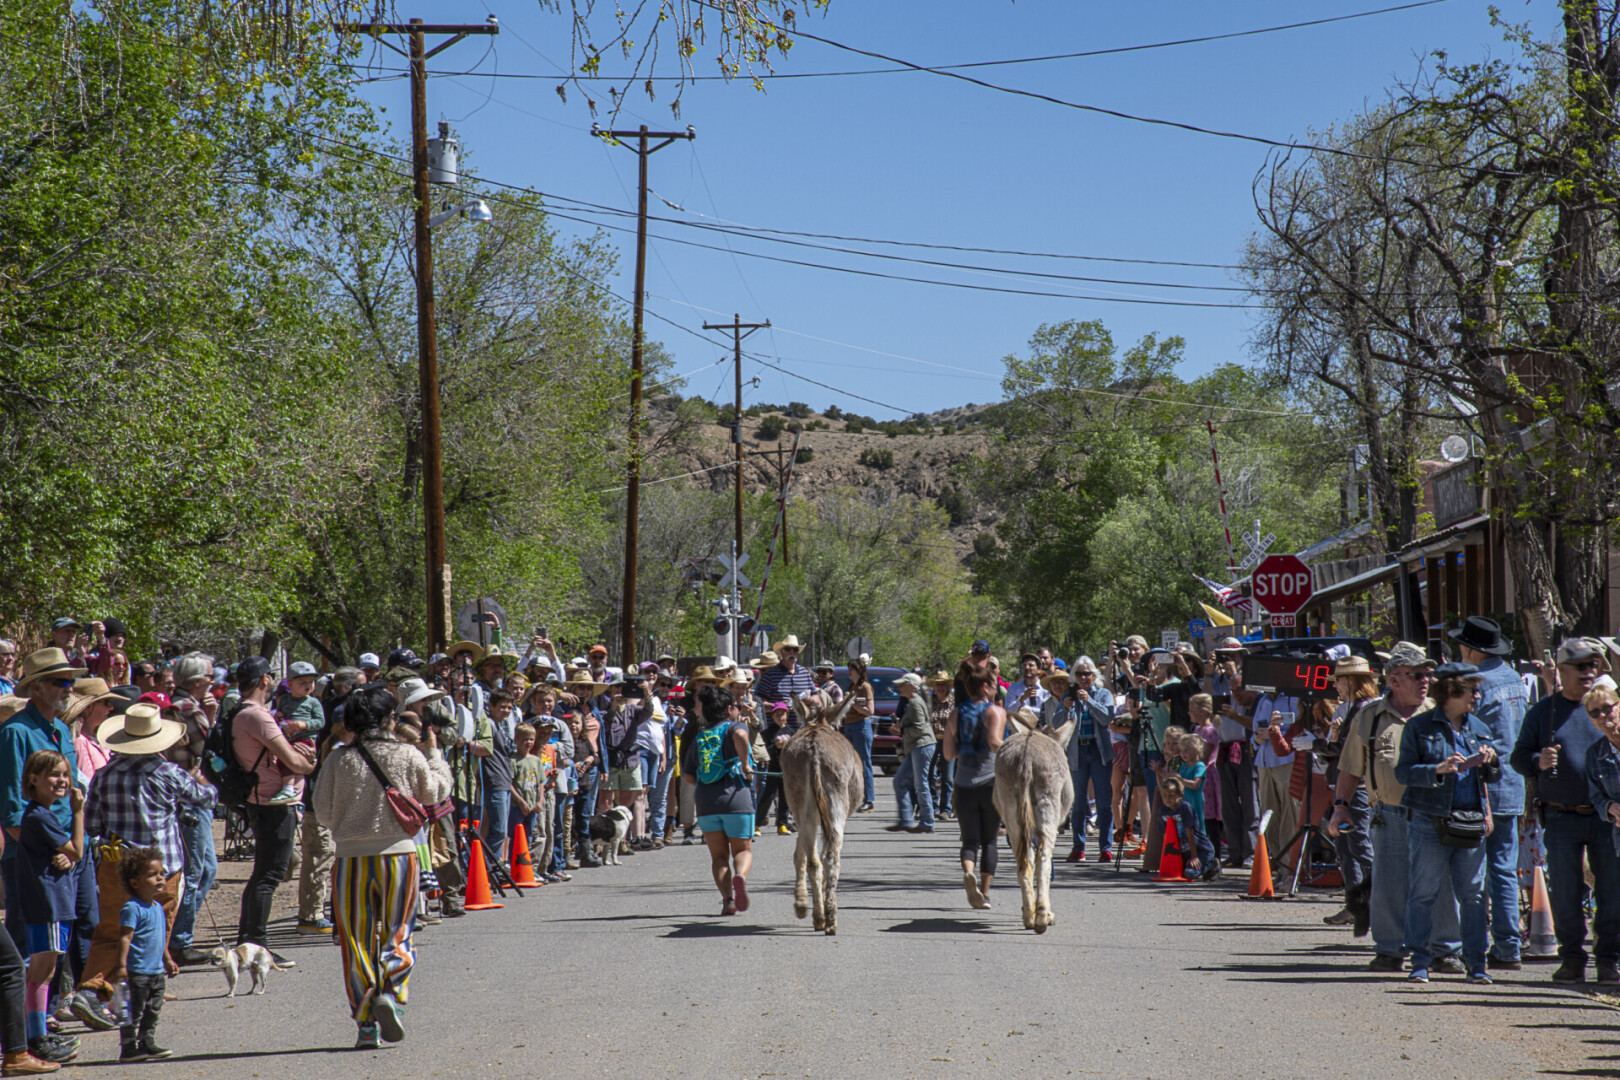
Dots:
{"x": 914, "y": 464}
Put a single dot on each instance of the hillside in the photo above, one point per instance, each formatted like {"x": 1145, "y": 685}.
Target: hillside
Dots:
{"x": 922, "y": 465}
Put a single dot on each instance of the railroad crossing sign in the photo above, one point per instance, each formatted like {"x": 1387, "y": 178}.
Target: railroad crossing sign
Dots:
{"x": 733, "y": 577}
{"x": 1258, "y": 546}
{"x": 1282, "y": 584}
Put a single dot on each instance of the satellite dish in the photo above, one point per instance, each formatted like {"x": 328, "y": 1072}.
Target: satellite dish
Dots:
{"x": 467, "y": 620}
{"x": 855, "y": 646}
{"x": 1454, "y": 448}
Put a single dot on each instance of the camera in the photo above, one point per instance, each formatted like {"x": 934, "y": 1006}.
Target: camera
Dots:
{"x": 1154, "y": 693}
{"x": 1122, "y": 653}
{"x": 540, "y": 631}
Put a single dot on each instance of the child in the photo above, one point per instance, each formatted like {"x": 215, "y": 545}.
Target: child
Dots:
{"x": 543, "y": 844}
{"x": 1174, "y": 807}
{"x": 140, "y": 953}
{"x": 1192, "y": 770}
{"x": 528, "y": 782}
{"x": 775, "y": 735}
{"x": 47, "y": 883}
{"x": 302, "y": 718}
{"x": 1201, "y": 711}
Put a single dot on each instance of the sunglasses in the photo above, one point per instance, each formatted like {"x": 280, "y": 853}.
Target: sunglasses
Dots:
{"x": 1586, "y": 665}
{"x": 63, "y": 683}
{"x": 1601, "y": 710}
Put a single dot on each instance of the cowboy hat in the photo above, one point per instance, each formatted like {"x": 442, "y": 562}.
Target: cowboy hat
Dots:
{"x": 740, "y": 677}
{"x": 1056, "y": 676}
{"x": 473, "y": 647}
{"x": 789, "y": 642}
{"x": 11, "y": 705}
{"x": 86, "y": 692}
{"x": 582, "y": 683}
{"x": 47, "y": 662}
{"x": 141, "y": 730}
{"x": 1483, "y": 635}
{"x": 724, "y": 663}
{"x": 766, "y": 659}
{"x": 703, "y": 673}
{"x": 1352, "y": 665}
{"x": 415, "y": 691}
{"x": 941, "y": 678}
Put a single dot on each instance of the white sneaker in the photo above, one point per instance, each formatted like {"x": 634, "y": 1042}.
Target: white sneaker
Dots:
{"x": 1249, "y": 862}
{"x": 286, "y": 795}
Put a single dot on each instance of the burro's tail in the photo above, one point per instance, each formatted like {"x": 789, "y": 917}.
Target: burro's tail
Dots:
{"x": 823, "y": 807}
{"x": 1026, "y": 790}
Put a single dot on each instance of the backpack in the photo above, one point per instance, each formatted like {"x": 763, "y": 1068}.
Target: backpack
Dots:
{"x": 220, "y": 765}
{"x": 713, "y": 765}
{"x": 970, "y": 729}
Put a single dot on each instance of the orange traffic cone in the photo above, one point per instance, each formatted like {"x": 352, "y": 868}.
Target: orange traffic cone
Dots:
{"x": 1542, "y": 941}
{"x": 1260, "y": 875}
{"x": 1170, "y": 861}
{"x": 522, "y": 864}
{"x": 478, "y": 897}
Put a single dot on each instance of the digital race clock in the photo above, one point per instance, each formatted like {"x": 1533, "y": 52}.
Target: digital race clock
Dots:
{"x": 1297, "y": 676}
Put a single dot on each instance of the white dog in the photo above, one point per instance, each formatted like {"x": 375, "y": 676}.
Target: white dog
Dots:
{"x": 248, "y": 957}
{"x": 607, "y": 833}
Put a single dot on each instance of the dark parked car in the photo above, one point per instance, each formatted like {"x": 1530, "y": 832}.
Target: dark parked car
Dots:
{"x": 885, "y": 726}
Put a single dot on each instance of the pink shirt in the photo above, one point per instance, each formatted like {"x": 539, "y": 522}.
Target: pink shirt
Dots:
{"x": 252, "y": 731}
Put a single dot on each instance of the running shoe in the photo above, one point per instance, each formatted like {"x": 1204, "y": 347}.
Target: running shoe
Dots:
{"x": 369, "y": 1038}
{"x": 389, "y": 1015}
{"x": 739, "y": 886}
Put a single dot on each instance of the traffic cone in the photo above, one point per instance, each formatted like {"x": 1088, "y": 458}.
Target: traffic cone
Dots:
{"x": 1170, "y": 861}
{"x": 1542, "y": 941}
{"x": 1260, "y": 875}
{"x": 478, "y": 895}
{"x": 522, "y": 864}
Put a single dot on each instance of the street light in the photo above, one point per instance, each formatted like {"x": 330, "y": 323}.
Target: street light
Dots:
{"x": 476, "y": 212}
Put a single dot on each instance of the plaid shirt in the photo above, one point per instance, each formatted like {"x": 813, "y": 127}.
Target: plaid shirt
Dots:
{"x": 137, "y": 798}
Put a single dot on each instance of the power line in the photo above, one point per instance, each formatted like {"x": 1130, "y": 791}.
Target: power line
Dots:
{"x": 906, "y": 69}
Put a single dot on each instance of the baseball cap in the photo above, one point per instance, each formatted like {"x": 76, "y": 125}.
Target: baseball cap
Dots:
{"x": 1028, "y": 656}
{"x": 114, "y": 627}
{"x": 1059, "y": 664}
{"x": 250, "y": 671}
{"x": 370, "y": 660}
{"x": 981, "y": 646}
{"x": 778, "y": 706}
{"x": 64, "y": 622}
{"x": 1577, "y": 650}
{"x": 154, "y": 698}
{"x": 299, "y": 669}
{"x": 1406, "y": 654}
{"x": 597, "y": 649}
{"x": 404, "y": 657}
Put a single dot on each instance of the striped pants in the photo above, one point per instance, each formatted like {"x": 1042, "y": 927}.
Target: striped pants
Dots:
{"x": 373, "y": 904}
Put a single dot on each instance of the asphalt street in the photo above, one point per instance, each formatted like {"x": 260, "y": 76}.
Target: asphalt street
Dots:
{"x": 628, "y": 971}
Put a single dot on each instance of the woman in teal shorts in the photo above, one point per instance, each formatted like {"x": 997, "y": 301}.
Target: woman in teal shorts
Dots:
{"x": 717, "y": 761}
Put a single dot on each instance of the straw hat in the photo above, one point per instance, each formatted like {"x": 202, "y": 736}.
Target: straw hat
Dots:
{"x": 701, "y": 674}
{"x": 583, "y": 684}
{"x": 141, "y": 730}
{"x": 1352, "y": 665}
{"x": 740, "y": 677}
{"x": 941, "y": 678}
{"x": 473, "y": 647}
{"x": 766, "y": 659}
{"x": 86, "y": 692}
{"x": 11, "y": 705}
{"x": 789, "y": 642}
{"x": 47, "y": 662}
{"x": 1056, "y": 677}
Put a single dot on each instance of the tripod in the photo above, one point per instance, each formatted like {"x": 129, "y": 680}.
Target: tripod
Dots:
{"x": 1308, "y": 827}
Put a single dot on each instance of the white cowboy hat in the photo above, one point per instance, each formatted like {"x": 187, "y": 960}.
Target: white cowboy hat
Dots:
{"x": 141, "y": 730}
{"x": 47, "y": 662}
{"x": 789, "y": 642}
{"x": 723, "y": 664}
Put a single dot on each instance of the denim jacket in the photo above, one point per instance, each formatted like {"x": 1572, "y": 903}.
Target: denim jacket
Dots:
{"x": 1054, "y": 714}
{"x": 1424, "y": 745}
{"x": 1503, "y": 700}
{"x": 1603, "y": 781}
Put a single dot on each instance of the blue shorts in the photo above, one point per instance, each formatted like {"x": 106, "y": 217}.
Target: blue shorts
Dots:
{"x": 736, "y": 826}
{"x": 51, "y": 937}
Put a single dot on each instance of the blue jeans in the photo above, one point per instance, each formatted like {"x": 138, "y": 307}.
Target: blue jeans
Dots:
{"x": 657, "y": 793}
{"x": 584, "y": 807}
{"x": 1392, "y": 867}
{"x": 944, "y": 783}
{"x": 859, "y": 735}
{"x": 1502, "y": 882}
{"x": 559, "y": 842}
{"x": 1432, "y": 865}
{"x": 1353, "y": 845}
{"x": 202, "y": 867}
{"x": 497, "y": 809}
{"x": 529, "y": 821}
{"x": 1092, "y": 769}
{"x": 1566, "y": 836}
{"x": 911, "y": 792}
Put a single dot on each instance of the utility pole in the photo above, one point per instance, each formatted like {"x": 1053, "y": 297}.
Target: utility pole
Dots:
{"x": 427, "y": 331}
{"x": 782, "y": 463}
{"x": 737, "y": 326}
{"x": 632, "y": 523}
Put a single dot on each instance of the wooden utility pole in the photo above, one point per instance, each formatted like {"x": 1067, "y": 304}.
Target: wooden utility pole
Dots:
{"x": 427, "y": 331}
{"x": 632, "y": 523}
{"x": 782, "y": 463}
{"x": 737, "y": 326}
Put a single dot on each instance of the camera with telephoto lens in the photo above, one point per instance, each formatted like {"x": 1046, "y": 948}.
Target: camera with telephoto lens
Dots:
{"x": 1154, "y": 693}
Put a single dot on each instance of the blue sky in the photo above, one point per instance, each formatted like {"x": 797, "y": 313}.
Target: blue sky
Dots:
{"x": 921, "y": 158}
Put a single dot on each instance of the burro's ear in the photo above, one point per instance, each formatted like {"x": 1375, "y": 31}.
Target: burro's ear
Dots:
{"x": 1063, "y": 734}
{"x": 801, "y": 708}
{"x": 1025, "y": 719}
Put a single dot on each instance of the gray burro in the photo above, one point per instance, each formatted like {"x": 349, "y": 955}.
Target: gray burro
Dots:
{"x": 1034, "y": 793}
{"x": 821, "y": 776}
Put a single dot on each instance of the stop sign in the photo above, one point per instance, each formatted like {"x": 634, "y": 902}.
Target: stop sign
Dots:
{"x": 1282, "y": 584}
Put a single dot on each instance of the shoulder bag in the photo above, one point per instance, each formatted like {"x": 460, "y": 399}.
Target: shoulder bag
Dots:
{"x": 407, "y": 811}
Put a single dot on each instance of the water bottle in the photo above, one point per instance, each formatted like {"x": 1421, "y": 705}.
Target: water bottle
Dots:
{"x": 120, "y": 1004}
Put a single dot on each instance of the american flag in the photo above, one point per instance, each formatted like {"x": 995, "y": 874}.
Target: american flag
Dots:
{"x": 1228, "y": 597}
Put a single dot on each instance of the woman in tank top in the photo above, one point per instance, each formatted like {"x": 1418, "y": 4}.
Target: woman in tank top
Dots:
{"x": 973, "y": 734}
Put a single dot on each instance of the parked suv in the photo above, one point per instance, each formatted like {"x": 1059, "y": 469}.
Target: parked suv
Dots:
{"x": 885, "y": 720}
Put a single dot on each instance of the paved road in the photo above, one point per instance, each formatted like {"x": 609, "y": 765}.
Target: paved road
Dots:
{"x": 627, "y": 972}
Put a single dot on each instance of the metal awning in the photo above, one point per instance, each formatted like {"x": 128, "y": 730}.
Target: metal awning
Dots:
{"x": 1360, "y": 583}
{"x": 1441, "y": 540}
